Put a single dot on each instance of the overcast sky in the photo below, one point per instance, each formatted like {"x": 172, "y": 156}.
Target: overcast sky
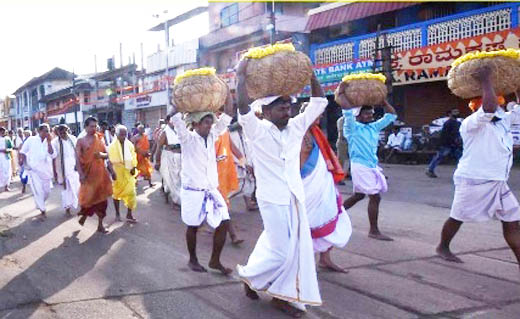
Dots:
{"x": 38, "y": 35}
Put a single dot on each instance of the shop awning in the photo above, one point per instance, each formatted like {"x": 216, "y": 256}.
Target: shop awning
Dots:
{"x": 352, "y": 11}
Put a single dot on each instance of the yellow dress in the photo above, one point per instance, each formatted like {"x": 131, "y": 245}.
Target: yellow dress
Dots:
{"x": 123, "y": 188}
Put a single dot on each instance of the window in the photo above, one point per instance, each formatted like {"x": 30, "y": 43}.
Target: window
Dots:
{"x": 229, "y": 15}
{"x": 42, "y": 91}
{"x": 86, "y": 96}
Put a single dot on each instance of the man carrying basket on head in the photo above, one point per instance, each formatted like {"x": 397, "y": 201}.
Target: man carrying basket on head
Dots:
{"x": 201, "y": 200}
{"x": 362, "y": 134}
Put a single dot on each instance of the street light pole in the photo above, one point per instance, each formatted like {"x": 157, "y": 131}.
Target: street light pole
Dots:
{"x": 167, "y": 43}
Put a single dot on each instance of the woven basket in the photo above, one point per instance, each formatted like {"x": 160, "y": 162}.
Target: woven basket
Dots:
{"x": 365, "y": 92}
{"x": 282, "y": 73}
{"x": 505, "y": 76}
{"x": 200, "y": 93}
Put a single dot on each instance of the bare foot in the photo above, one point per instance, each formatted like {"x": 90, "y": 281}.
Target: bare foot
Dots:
{"x": 286, "y": 308}
{"x": 82, "y": 220}
{"x": 131, "y": 220}
{"x": 118, "y": 218}
{"x": 102, "y": 230}
{"x": 195, "y": 266}
{"x": 67, "y": 212}
{"x": 43, "y": 216}
{"x": 379, "y": 236}
{"x": 329, "y": 265}
{"x": 250, "y": 293}
{"x": 447, "y": 255}
{"x": 218, "y": 266}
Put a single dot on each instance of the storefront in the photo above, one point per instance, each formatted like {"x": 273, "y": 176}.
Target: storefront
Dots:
{"x": 148, "y": 108}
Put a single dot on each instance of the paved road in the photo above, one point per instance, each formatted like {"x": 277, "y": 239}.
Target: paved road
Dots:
{"x": 56, "y": 269}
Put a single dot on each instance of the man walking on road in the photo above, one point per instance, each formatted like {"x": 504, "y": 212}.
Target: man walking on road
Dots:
{"x": 282, "y": 262}
{"x": 201, "y": 200}
{"x": 96, "y": 185}
{"x": 65, "y": 171}
{"x": 481, "y": 190}
{"x": 362, "y": 134}
{"x": 121, "y": 154}
{"x": 36, "y": 155}
{"x": 451, "y": 143}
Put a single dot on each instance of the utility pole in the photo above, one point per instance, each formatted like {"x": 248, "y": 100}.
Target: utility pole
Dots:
{"x": 273, "y": 24}
{"x": 167, "y": 50}
{"x": 120, "y": 54}
{"x": 386, "y": 61}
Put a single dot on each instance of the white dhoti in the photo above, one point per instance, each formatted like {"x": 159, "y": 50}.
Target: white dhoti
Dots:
{"x": 282, "y": 262}
{"x": 246, "y": 182}
{"x": 40, "y": 187}
{"x": 366, "y": 180}
{"x": 6, "y": 171}
{"x": 329, "y": 222}
{"x": 69, "y": 195}
{"x": 171, "y": 174}
{"x": 199, "y": 205}
{"x": 481, "y": 200}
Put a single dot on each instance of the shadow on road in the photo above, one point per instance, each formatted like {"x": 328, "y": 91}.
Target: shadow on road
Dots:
{"x": 52, "y": 272}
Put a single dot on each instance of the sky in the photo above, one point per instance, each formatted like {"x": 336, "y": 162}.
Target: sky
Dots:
{"x": 37, "y": 35}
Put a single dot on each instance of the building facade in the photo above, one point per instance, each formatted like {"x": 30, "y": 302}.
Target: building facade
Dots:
{"x": 29, "y": 111}
{"x": 236, "y": 27}
{"x": 424, "y": 39}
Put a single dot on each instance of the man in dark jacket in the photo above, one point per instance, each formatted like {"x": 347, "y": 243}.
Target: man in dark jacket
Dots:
{"x": 450, "y": 143}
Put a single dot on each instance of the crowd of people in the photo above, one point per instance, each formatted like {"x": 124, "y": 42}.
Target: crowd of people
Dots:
{"x": 280, "y": 162}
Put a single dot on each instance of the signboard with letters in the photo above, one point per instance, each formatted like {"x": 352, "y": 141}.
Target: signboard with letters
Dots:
{"x": 426, "y": 64}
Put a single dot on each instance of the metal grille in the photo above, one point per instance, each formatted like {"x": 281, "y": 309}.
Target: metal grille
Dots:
{"x": 470, "y": 26}
{"x": 399, "y": 41}
{"x": 334, "y": 54}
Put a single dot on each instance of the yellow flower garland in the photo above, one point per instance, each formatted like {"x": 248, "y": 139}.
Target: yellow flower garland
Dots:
{"x": 509, "y": 53}
{"x": 364, "y": 76}
{"x": 260, "y": 52}
{"x": 194, "y": 72}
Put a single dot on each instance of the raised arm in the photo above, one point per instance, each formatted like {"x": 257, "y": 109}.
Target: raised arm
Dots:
{"x": 340, "y": 96}
{"x": 243, "y": 98}
{"x": 180, "y": 125}
{"x": 316, "y": 89}
{"x": 388, "y": 107}
{"x": 489, "y": 97}
{"x": 160, "y": 144}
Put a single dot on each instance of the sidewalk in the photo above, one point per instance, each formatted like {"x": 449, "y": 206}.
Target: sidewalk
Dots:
{"x": 56, "y": 269}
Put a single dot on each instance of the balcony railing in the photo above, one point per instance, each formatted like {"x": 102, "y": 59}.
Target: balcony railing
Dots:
{"x": 431, "y": 32}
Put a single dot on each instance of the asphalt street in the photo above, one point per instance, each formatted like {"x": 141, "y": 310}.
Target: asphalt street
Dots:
{"x": 58, "y": 269}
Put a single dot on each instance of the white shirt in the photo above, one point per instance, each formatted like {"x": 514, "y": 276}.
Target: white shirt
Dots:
{"x": 69, "y": 153}
{"x": 109, "y": 138}
{"x": 396, "y": 140}
{"x": 198, "y": 156}
{"x": 276, "y": 154}
{"x": 18, "y": 141}
{"x": 37, "y": 156}
{"x": 487, "y": 146}
{"x": 171, "y": 136}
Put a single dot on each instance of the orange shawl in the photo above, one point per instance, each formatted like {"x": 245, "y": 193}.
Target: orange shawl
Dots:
{"x": 227, "y": 173}
{"x": 97, "y": 186}
{"x": 144, "y": 166}
{"x": 331, "y": 160}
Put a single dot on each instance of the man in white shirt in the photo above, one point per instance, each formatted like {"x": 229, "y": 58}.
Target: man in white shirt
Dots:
{"x": 282, "y": 262}
{"x": 201, "y": 200}
{"x": 36, "y": 155}
{"x": 66, "y": 175}
{"x": 481, "y": 190}
{"x": 395, "y": 143}
{"x": 168, "y": 163}
{"x": 5, "y": 160}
